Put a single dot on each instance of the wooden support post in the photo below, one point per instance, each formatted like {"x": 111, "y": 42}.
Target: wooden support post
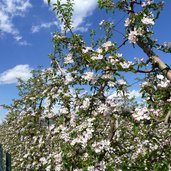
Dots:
{"x": 1, "y": 158}
{"x": 8, "y": 162}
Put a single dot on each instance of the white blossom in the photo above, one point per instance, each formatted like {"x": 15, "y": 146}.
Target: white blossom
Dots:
{"x": 86, "y": 103}
{"x": 43, "y": 160}
{"x": 147, "y": 20}
{"x": 169, "y": 100}
{"x": 68, "y": 59}
{"x": 58, "y": 167}
{"x": 104, "y": 109}
{"x": 111, "y": 84}
{"x": 160, "y": 77}
{"x": 145, "y": 84}
{"x": 119, "y": 55}
{"x": 121, "y": 82}
{"x": 99, "y": 50}
{"x": 87, "y": 49}
{"x": 68, "y": 78}
{"x": 58, "y": 157}
{"x": 101, "y": 22}
{"x": 101, "y": 145}
{"x": 89, "y": 76}
{"x": 126, "y": 64}
{"x": 133, "y": 35}
{"x": 147, "y": 2}
{"x": 163, "y": 84}
{"x": 107, "y": 45}
{"x": 141, "y": 114}
{"x": 162, "y": 81}
{"x": 107, "y": 76}
{"x": 112, "y": 60}
{"x": 127, "y": 22}
{"x": 51, "y": 127}
{"x": 48, "y": 168}
{"x": 91, "y": 168}
{"x": 57, "y": 36}
{"x": 63, "y": 110}
{"x": 97, "y": 57}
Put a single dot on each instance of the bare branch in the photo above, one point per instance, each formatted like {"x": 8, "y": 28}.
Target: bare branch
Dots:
{"x": 145, "y": 71}
{"x": 122, "y": 44}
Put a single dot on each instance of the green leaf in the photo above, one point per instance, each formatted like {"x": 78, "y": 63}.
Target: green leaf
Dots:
{"x": 158, "y": 14}
{"x": 135, "y": 129}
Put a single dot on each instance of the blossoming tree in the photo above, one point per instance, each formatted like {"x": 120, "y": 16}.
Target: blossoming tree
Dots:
{"x": 79, "y": 114}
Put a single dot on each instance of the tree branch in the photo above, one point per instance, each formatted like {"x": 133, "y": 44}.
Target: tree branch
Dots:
{"x": 122, "y": 44}
{"x": 155, "y": 59}
{"x": 167, "y": 118}
{"x": 145, "y": 71}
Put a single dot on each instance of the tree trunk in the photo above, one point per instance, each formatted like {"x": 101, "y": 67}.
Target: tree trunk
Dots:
{"x": 155, "y": 59}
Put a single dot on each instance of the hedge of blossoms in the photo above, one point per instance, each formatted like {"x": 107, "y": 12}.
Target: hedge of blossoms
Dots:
{"x": 79, "y": 114}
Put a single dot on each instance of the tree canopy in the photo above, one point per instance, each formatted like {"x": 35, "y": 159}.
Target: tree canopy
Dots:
{"x": 79, "y": 113}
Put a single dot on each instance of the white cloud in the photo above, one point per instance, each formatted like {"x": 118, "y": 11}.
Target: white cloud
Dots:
{"x": 37, "y": 28}
{"x": 82, "y": 9}
{"x": 9, "y": 9}
{"x": 17, "y": 38}
{"x": 24, "y": 43}
{"x": 131, "y": 93}
{"x": 83, "y": 28}
{"x": 135, "y": 93}
{"x": 19, "y": 71}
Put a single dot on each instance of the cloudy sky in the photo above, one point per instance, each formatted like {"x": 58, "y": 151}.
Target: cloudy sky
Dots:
{"x": 26, "y": 28}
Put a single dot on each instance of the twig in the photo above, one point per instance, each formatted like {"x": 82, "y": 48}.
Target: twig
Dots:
{"x": 122, "y": 44}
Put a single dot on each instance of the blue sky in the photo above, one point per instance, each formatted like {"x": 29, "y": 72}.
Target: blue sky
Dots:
{"x": 26, "y": 28}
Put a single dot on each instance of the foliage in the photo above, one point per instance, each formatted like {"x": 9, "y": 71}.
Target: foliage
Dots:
{"x": 79, "y": 114}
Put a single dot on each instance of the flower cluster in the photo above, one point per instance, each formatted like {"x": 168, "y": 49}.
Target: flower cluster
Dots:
{"x": 107, "y": 45}
{"x": 147, "y": 2}
{"x": 148, "y": 20}
{"x": 133, "y": 35}
{"x": 126, "y": 64}
{"x": 69, "y": 59}
{"x": 162, "y": 81}
{"x": 101, "y": 146}
{"x": 143, "y": 113}
{"x": 89, "y": 76}
{"x": 87, "y": 49}
{"x": 127, "y": 22}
